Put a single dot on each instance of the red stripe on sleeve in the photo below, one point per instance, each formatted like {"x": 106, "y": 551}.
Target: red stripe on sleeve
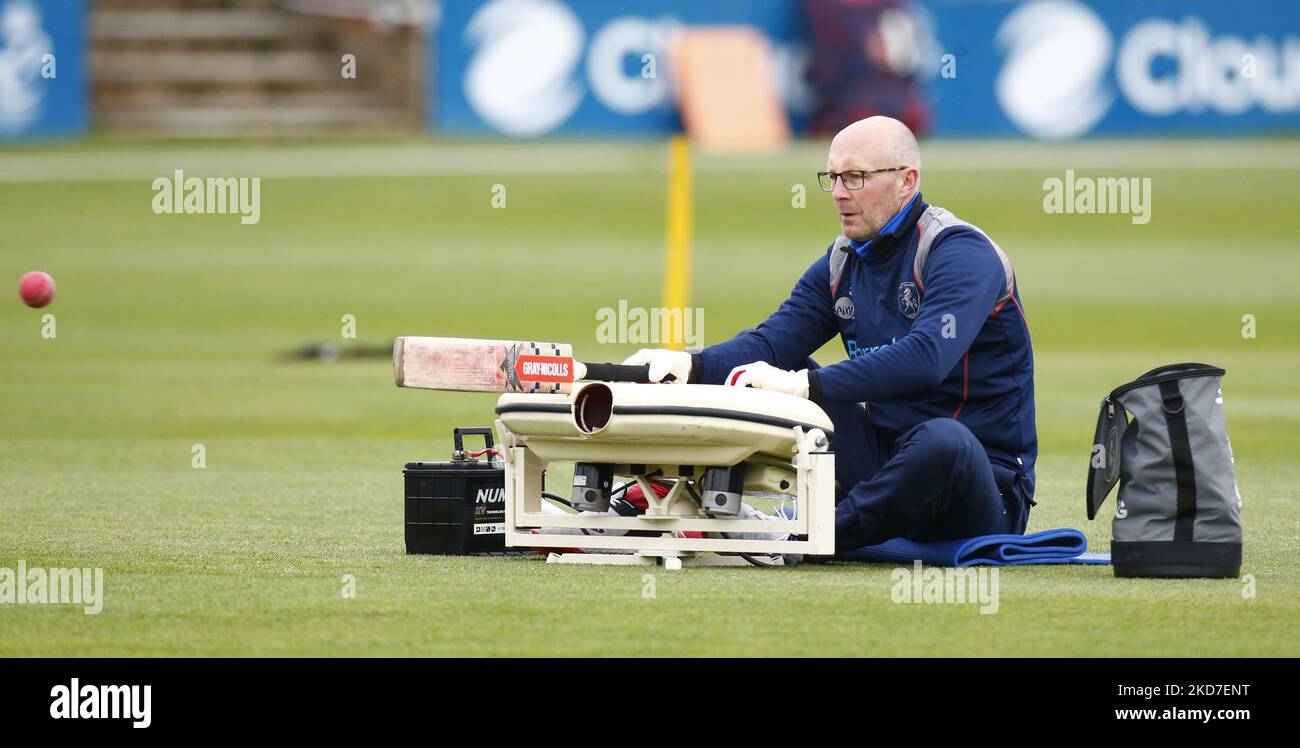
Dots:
{"x": 965, "y": 384}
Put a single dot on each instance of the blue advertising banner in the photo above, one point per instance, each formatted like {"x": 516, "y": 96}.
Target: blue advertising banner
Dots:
{"x": 536, "y": 67}
{"x": 1043, "y": 68}
{"x": 42, "y": 68}
{"x": 1064, "y": 69}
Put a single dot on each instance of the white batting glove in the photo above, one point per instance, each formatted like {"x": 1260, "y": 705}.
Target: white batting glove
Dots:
{"x": 764, "y": 376}
{"x": 662, "y": 363}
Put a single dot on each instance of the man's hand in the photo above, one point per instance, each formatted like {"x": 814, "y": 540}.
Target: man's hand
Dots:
{"x": 764, "y": 376}
{"x": 662, "y": 363}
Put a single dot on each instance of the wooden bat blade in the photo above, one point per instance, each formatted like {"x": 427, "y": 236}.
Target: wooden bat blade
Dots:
{"x": 471, "y": 365}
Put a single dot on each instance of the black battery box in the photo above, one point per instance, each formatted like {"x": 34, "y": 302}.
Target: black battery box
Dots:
{"x": 457, "y": 507}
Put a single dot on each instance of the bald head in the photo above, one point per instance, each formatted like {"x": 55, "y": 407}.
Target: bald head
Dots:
{"x": 867, "y": 145}
{"x": 875, "y": 143}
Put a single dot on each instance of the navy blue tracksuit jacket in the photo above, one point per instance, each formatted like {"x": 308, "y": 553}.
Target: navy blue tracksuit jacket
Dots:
{"x": 939, "y": 352}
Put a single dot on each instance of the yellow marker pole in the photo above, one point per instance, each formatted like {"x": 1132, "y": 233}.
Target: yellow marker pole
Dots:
{"x": 677, "y": 267}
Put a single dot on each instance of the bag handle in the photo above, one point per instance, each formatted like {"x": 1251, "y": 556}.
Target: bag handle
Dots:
{"x": 1169, "y": 373}
{"x": 1184, "y": 469}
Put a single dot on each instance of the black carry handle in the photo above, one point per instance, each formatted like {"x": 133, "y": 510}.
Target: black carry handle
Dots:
{"x": 460, "y": 431}
{"x": 621, "y": 373}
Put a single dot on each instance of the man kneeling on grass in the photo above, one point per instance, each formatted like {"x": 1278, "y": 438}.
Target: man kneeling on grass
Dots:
{"x": 930, "y": 316}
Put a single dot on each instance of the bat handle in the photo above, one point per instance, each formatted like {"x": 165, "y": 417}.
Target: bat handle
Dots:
{"x": 619, "y": 373}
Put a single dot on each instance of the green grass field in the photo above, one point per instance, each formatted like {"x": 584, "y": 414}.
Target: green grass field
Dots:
{"x": 169, "y": 329}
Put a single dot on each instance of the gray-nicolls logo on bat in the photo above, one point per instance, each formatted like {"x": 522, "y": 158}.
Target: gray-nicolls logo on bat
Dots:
{"x": 508, "y": 366}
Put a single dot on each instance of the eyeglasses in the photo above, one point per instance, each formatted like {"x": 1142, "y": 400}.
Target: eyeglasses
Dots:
{"x": 853, "y": 180}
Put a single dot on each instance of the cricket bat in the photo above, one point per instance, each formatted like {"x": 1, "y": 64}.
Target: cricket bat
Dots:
{"x": 470, "y": 365}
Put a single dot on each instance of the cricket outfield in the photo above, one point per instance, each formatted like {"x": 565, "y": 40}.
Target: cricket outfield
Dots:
{"x": 168, "y": 332}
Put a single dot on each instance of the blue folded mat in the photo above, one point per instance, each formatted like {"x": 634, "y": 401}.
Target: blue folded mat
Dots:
{"x": 1061, "y": 546}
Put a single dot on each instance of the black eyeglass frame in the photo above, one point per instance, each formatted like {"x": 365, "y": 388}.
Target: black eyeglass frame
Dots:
{"x": 825, "y": 178}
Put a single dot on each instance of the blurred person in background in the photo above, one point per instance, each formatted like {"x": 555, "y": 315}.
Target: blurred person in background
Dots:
{"x": 867, "y": 58}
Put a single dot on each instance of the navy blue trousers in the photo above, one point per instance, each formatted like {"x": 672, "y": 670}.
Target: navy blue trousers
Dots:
{"x": 934, "y": 482}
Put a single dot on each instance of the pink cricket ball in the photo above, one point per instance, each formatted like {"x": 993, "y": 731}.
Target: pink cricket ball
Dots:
{"x": 37, "y": 289}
